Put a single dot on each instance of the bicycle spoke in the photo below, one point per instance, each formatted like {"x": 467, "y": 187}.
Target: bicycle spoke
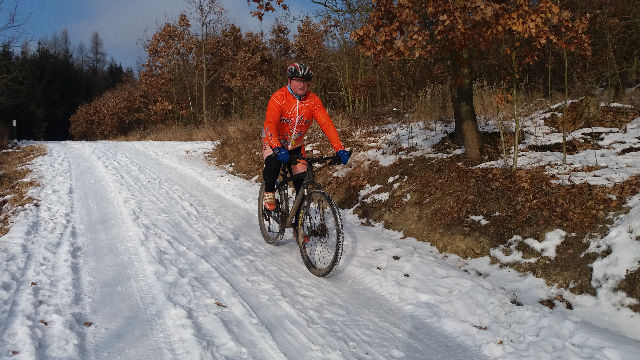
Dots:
{"x": 271, "y": 223}
{"x": 323, "y": 228}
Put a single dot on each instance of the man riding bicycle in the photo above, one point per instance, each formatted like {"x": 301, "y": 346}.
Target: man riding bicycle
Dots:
{"x": 290, "y": 113}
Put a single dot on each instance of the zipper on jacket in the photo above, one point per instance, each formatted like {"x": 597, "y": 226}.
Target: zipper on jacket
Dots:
{"x": 293, "y": 134}
{"x": 292, "y": 143}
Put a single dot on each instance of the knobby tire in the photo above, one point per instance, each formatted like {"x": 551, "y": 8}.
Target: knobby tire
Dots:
{"x": 319, "y": 220}
{"x": 272, "y": 224}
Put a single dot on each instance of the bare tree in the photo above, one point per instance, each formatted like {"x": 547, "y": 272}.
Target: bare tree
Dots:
{"x": 97, "y": 54}
{"x": 60, "y": 44}
{"x": 81, "y": 56}
{"x": 9, "y": 20}
{"x": 65, "y": 43}
{"x": 209, "y": 14}
{"x": 8, "y": 23}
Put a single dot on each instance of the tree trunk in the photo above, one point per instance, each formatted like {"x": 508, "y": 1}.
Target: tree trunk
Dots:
{"x": 516, "y": 120}
{"x": 466, "y": 131}
{"x": 205, "y": 117}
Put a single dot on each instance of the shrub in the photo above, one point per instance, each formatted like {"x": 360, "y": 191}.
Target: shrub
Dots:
{"x": 116, "y": 113}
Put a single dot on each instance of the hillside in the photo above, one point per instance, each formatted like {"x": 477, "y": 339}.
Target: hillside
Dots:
{"x": 558, "y": 222}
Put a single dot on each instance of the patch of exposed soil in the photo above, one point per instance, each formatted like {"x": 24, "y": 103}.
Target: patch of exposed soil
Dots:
{"x": 494, "y": 146}
{"x": 630, "y": 286}
{"x": 572, "y": 147}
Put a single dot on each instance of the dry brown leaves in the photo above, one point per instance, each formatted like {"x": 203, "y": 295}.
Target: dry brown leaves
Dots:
{"x": 398, "y": 28}
{"x": 116, "y": 112}
{"x": 264, "y": 6}
{"x": 551, "y": 303}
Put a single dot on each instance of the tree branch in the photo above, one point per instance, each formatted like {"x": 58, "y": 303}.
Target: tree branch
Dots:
{"x": 347, "y": 9}
{"x": 11, "y": 19}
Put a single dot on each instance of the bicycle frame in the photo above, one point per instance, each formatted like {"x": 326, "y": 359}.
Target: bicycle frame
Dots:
{"x": 309, "y": 181}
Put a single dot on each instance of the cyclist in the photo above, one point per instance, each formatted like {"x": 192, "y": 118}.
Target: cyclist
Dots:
{"x": 290, "y": 113}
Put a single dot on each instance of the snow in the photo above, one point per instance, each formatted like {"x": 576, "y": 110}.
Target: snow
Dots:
{"x": 405, "y": 140}
{"x": 514, "y": 254}
{"x": 622, "y": 239}
{"x": 548, "y": 246}
{"x": 609, "y": 166}
{"x": 480, "y": 219}
{"x": 159, "y": 253}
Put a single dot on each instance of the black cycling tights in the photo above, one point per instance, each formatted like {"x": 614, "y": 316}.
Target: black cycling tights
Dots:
{"x": 272, "y": 168}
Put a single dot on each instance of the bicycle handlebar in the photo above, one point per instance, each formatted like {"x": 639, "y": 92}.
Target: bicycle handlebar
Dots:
{"x": 332, "y": 160}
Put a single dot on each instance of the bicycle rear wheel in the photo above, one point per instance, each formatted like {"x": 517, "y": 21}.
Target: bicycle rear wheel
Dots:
{"x": 272, "y": 222}
{"x": 320, "y": 233}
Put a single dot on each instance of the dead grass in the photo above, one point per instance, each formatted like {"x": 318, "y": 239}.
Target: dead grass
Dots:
{"x": 588, "y": 113}
{"x": 240, "y": 147}
{"x": 13, "y": 181}
{"x": 4, "y": 138}
{"x": 174, "y": 133}
{"x": 528, "y": 102}
{"x": 433, "y": 104}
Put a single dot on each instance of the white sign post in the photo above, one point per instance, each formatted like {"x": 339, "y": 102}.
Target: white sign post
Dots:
{"x": 14, "y": 132}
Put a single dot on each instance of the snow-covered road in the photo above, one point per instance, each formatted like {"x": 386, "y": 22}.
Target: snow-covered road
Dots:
{"x": 140, "y": 250}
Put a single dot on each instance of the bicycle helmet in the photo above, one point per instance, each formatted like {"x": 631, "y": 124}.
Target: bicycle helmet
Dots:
{"x": 300, "y": 71}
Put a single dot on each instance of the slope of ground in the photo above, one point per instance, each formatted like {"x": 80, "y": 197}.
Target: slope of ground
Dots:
{"x": 412, "y": 178}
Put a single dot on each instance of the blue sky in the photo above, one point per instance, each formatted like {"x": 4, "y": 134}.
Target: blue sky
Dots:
{"x": 123, "y": 23}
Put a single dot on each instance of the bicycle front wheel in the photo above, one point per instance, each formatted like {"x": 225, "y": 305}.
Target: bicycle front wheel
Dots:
{"x": 320, "y": 235}
{"x": 272, "y": 222}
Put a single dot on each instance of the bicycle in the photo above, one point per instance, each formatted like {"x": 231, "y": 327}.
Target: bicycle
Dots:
{"x": 313, "y": 214}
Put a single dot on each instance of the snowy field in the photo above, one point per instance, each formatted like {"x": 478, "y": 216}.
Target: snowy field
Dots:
{"x": 142, "y": 250}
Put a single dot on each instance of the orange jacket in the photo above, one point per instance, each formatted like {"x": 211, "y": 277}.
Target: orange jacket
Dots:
{"x": 281, "y": 121}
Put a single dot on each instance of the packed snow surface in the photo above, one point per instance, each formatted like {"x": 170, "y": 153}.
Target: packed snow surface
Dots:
{"x": 142, "y": 250}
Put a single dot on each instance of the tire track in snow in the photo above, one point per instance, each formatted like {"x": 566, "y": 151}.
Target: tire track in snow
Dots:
{"x": 193, "y": 284}
{"x": 46, "y": 297}
{"x": 118, "y": 301}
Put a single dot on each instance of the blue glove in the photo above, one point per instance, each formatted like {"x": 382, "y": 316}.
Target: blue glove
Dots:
{"x": 344, "y": 156}
{"x": 282, "y": 154}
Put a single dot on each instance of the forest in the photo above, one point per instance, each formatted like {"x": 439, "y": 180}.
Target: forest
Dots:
{"x": 42, "y": 88}
{"x": 425, "y": 59}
